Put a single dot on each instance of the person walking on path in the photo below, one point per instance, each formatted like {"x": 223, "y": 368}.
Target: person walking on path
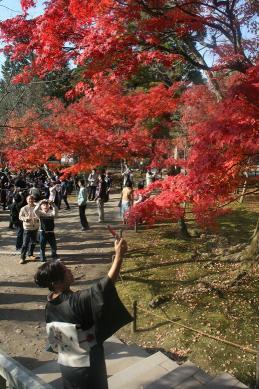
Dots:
{"x": 126, "y": 175}
{"x": 30, "y": 227}
{"x": 101, "y": 197}
{"x": 64, "y": 193}
{"x": 81, "y": 200}
{"x": 127, "y": 198}
{"x": 15, "y": 208}
{"x": 35, "y": 192}
{"x": 79, "y": 322}
{"x": 149, "y": 177}
{"x": 92, "y": 184}
{"x": 108, "y": 181}
{"x": 47, "y": 212}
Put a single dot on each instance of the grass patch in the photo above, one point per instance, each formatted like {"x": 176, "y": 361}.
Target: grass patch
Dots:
{"x": 161, "y": 265}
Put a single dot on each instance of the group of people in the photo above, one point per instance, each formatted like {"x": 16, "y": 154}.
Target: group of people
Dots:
{"x": 98, "y": 189}
{"x": 34, "y": 217}
{"x": 77, "y": 322}
{"x": 35, "y": 198}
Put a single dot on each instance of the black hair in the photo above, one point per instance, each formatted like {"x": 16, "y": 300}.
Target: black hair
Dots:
{"x": 129, "y": 183}
{"x": 140, "y": 185}
{"x": 17, "y": 198}
{"x": 49, "y": 273}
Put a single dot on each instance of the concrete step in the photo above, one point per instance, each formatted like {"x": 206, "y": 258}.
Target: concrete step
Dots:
{"x": 49, "y": 372}
{"x": 186, "y": 376}
{"x": 143, "y": 372}
{"x": 224, "y": 381}
{"x": 118, "y": 356}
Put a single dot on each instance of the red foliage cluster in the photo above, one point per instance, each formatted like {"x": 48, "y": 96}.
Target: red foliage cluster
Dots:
{"x": 110, "y": 41}
{"x": 109, "y": 126}
{"x": 223, "y": 138}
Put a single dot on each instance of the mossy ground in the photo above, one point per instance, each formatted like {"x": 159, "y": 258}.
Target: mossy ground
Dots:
{"x": 160, "y": 263}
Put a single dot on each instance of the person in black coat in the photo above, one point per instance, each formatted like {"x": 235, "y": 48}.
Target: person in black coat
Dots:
{"x": 15, "y": 208}
{"x": 79, "y": 322}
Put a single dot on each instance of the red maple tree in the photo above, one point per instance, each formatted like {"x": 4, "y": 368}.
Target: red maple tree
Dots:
{"x": 110, "y": 41}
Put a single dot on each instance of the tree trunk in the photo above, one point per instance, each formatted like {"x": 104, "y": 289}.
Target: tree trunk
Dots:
{"x": 183, "y": 228}
{"x": 252, "y": 251}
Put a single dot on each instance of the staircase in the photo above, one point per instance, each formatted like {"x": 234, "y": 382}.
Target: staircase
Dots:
{"x": 130, "y": 367}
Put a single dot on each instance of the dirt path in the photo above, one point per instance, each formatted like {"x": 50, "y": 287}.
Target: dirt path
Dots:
{"x": 87, "y": 253}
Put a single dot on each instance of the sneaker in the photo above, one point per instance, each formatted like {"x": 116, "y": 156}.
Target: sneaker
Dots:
{"x": 22, "y": 261}
{"x": 32, "y": 257}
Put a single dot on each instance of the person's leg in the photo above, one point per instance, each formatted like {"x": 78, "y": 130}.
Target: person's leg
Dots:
{"x": 51, "y": 239}
{"x": 90, "y": 193}
{"x": 83, "y": 219}
{"x": 93, "y": 192}
{"x": 19, "y": 236}
{"x": 43, "y": 242}
{"x": 66, "y": 202}
{"x": 59, "y": 199}
{"x": 101, "y": 210}
{"x": 76, "y": 378}
{"x": 25, "y": 244}
{"x": 98, "y": 203}
{"x": 33, "y": 241}
{"x": 98, "y": 373}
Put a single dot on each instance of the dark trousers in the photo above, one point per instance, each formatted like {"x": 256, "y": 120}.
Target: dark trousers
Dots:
{"x": 83, "y": 219}
{"x": 93, "y": 377}
{"x": 57, "y": 200}
{"x": 63, "y": 197}
{"x": 47, "y": 237}
{"x": 19, "y": 235}
{"x": 29, "y": 242}
{"x": 91, "y": 192}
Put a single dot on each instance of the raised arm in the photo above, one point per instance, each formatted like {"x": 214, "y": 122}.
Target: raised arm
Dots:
{"x": 120, "y": 247}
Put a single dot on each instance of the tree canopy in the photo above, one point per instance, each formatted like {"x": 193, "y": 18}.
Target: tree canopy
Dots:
{"x": 136, "y": 91}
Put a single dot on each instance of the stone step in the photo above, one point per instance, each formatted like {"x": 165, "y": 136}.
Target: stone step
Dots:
{"x": 186, "y": 376}
{"x": 49, "y": 372}
{"x": 143, "y": 372}
{"x": 225, "y": 381}
{"x": 118, "y": 356}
